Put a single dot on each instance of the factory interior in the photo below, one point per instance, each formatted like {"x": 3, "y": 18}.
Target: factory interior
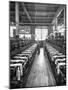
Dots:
{"x": 37, "y": 40}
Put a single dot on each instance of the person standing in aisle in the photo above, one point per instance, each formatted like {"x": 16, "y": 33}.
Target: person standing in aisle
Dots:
{"x": 38, "y": 47}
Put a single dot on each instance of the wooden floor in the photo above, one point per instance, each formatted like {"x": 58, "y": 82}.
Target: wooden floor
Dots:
{"x": 40, "y": 74}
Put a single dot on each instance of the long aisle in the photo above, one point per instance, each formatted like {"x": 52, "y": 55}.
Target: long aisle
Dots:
{"x": 40, "y": 74}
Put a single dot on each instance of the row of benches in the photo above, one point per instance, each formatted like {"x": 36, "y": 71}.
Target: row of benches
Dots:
{"x": 18, "y": 45}
{"x": 20, "y": 63}
{"x": 59, "y": 43}
{"x": 58, "y": 64}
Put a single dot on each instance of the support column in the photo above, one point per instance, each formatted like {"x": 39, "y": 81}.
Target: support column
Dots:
{"x": 33, "y": 32}
{"x": 65, "y": 22}
{"x": 17, "y": 18}
{"x": 65, "y": 16}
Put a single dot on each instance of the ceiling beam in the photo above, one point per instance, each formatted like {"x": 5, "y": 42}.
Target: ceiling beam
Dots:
{"x": 39, "y": 16}
{"x": 25, "y": 10}
{"x": 45, "y": 14}
{"x": 38, "y": 20}
{"x": 32, "y": 24}
{"x": 36, "y": 13}
{"x": 36, "y": 24}
{"x": 33, "y": 15}
{"x": 37, "y": 10}
{"x": 43, "y": 19}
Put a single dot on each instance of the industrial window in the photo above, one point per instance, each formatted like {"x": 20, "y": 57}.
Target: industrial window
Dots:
{"x": 41, "y": 34}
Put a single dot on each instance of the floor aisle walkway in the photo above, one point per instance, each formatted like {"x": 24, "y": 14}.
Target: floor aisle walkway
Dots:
{"x": 40, "y": 74}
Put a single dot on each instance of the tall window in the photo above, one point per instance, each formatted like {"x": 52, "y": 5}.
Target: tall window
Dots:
{"x": 41, "y": 34}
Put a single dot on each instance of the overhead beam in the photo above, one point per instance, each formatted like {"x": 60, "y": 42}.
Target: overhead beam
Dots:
{"x": 28, "y": 16}
{"x": 48, "y": 14}
{"x": 41, "y": 18}
{"x": 36, "y": 13}
{"x": 32, "y": 24}
{"x": 38, "y": 20}
{"x": 37, "y": 10}
{"x": 36, "y": 24}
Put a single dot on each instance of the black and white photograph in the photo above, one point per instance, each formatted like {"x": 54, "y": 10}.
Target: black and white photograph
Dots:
{"x": 37, "y": 44}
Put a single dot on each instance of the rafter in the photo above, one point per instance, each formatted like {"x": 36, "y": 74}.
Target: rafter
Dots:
{"x": 36, "y": 24}
{"x": 25, "y": 10}
{"x": 58, "y": 12}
